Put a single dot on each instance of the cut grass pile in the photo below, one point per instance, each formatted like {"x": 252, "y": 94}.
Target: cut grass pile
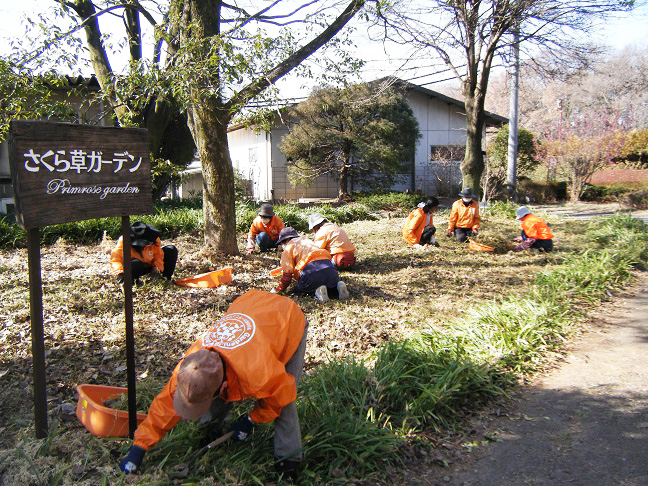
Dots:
{"x": 426, "y": 339}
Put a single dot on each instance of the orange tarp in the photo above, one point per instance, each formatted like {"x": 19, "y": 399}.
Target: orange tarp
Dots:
{"x": 208, "y": 280}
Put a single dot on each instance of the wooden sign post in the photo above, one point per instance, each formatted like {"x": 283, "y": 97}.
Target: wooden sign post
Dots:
{"x": 62, "y": 173}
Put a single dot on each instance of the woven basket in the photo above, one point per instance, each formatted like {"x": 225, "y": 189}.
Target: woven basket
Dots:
{"x": 474, "y": 246}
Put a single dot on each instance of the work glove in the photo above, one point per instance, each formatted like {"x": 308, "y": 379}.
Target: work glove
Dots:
{"x": 518, "y": 239}
{"x": 273, "y": 291}
{"x": 120, "y": 278}
{"x": 250, "y": 251}
{"x": 450, "y": 233}
{"x": 242, "y": 428}
{"x": 475, "y": 231}
{"x": 131, "y": 463}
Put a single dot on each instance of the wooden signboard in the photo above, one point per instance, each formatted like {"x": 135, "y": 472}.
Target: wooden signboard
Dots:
{"x": 63, "y": 172}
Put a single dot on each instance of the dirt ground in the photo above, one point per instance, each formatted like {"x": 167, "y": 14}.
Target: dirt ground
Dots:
{"x": 583, "y": 423}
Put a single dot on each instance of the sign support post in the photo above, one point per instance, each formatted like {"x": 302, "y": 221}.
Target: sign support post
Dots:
{"x": 130, "y": 334}
{"x": 37, "y": 333}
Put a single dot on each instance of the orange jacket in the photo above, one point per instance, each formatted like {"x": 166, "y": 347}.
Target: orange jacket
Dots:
{"x": 255, "y": 343}
{"x": 273, "y": 229}
{"x": 299, "y": 252}
{"x": 415, "y": 224}
{"x": 535, "y": 227}
{"x": 151, "y": 254}
{"x": 333, "y": 238}
{"x": 462, "y": 216}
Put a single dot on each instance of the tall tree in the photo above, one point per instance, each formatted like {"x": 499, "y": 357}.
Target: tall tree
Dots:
{"x": 24, "y": 95}
{"x": 494, "y": 177}
{"x": 364, "y": 132}
{"x": 469, "y": 35}
{"x": 207, "y": 59}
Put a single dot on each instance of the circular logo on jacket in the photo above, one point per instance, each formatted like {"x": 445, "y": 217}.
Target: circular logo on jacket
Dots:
{"x": 230, "y": 332}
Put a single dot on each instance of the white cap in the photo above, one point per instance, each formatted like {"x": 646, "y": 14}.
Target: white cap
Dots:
{"x": 521, "y": 212}
{"x": 315, "y": 219}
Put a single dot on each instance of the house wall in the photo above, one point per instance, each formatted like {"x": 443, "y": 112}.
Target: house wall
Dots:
{"x": 250, "y": 154}
{"x": 322, "y": 187}
{"x": 441, "y": 124}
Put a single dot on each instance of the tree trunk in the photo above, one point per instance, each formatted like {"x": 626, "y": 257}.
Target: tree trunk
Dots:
{"x": 208, "y": 124}
{"x": 344, "y": 181}
{"x": 472, "y": 166}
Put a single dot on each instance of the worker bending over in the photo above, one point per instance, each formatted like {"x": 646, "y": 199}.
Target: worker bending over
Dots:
{"x": 147, "y": 253}
{"x": 334, "y": 239}
{"x": 419, "y": 228}
{"x": 310, "y": 266}
{"x": 255, "y": 351}
{"x": 535, "y": 232}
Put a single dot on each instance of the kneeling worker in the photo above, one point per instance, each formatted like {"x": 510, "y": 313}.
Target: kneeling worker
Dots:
{"x": 147, "y": 253}
{"x": 464, "y": 216}
{"x": 255, "y": 351}
{"x": 311, "y": 266}
{"x": 334, "y": 239}
{"x": 419, "y": 226}
{"x": 264, "y": 230}
{"x": 535, "y": 232}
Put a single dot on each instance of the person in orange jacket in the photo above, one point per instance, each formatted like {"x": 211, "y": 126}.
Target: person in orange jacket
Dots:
{"x": 147, "y": 253}
{"x": 329, "y": 236}
{"x": 464, "y": 216}
{"x": 264, "y": 230}
{"x": 256, "y": 350}
{"x": 419, "y": 228}
{"x": 535, "y": 232}
{"x": 311, "y": 266}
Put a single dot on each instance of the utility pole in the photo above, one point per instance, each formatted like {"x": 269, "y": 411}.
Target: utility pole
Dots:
{"x": 511, "y": 172}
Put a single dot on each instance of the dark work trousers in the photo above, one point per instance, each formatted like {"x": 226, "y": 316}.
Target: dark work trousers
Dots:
{"x": 314, "y": 275}
{"x": 544, "y": 245}
{"x": 139, "y": 268}
{"x": 428, "y": 233}
{"x": 265, "y": 242}
{"x": 287, "y": 436}
{"x": 462, "y": 234}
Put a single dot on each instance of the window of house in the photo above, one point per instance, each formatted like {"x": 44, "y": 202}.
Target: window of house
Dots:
{"x": 447, "y": 153}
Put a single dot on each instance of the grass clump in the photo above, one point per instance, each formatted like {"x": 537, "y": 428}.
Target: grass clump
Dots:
{"x": 428, "y": 382}
{"x": 400, "y": 202}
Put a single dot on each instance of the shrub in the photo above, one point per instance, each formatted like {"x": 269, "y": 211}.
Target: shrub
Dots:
{"x": 541, "y": 192}
{"x": 388, "y": 200}
{"x": 637, "y": 200}
{"x": 502, "y": 209}
{"x": 602, "y": 193}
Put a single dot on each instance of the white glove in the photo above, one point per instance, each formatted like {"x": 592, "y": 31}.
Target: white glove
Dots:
{"x": 273, "y": 291}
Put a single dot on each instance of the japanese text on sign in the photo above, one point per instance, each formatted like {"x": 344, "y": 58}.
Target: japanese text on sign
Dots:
{"x": 79, "y": 161}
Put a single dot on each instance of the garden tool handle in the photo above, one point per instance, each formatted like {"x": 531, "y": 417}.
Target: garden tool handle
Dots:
{"x": 220, "y": 440}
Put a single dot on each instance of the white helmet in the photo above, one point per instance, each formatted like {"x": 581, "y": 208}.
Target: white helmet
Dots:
{"x": 521, "y": 212}
{"x": 315, "y": 219}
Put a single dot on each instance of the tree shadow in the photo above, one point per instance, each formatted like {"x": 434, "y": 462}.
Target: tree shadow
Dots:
{"x": 565, "y": 437}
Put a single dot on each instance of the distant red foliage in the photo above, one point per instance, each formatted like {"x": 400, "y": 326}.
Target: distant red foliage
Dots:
{"x": 611, "y": 176}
